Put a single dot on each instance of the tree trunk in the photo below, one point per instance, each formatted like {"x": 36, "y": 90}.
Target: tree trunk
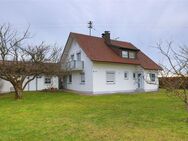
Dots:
{"x": 18, "y": 92}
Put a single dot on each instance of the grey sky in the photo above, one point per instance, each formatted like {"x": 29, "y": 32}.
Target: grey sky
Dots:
{"x": 142, "y": 22}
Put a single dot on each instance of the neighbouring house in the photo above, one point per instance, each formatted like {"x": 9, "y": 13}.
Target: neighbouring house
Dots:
{"x": 100, "y": 65}
{"x": 39, "y": 83}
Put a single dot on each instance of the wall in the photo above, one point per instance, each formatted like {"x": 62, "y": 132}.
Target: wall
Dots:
{"x": 148, "y": 86}
{"x": 121, "y": 84}
{"x": 7, "y": 87}
{"x": 38, "y": 84}
{"x": 76, "y": 78}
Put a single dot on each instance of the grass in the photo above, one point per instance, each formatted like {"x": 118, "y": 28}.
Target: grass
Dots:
{"x": 66, "y": 116}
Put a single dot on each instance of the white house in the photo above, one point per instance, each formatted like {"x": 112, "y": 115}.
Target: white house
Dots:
{"x": 101, "y": 65}
{"x": 39, "y": 83}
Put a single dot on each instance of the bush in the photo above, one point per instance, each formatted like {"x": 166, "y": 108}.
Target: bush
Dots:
{"x": 51, "y": 89}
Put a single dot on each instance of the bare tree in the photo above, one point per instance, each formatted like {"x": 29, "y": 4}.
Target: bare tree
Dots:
{"x": 175, "y": 71}
{"x": 19, "y": 61}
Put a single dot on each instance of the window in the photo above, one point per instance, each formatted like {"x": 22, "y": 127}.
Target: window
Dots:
{"x": 125, "y": 75}
{"x": 110, "y": 77}
{"x": 82, "y": 75}
{"x": 39, "y": 76}
{"x": 78, "y": 56}
{"x": 72, "y": 57}
{"x": 132, "y": 55}
{"x": 70, "y": 78}
{"x": 125, "y": 54}
{"x": 152, "y": 77}
{"x": 47, "y": 80}
{"x": 134, "y": 75}
{"x": 129, "y": 54}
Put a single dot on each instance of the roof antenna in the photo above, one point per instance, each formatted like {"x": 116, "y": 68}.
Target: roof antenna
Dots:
{"x": 90, "y": 26}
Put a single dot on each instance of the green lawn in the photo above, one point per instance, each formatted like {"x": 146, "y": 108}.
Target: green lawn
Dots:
{"x": 70, "y": 117}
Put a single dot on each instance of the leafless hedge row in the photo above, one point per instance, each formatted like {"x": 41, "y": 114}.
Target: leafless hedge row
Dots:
{"x": 175, "y": 82}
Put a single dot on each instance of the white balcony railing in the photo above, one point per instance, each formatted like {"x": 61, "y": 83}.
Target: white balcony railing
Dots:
{"x": 75, "y": 65}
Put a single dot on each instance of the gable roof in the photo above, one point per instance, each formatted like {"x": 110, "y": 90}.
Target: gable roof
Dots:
{"x": 97, "y": 50}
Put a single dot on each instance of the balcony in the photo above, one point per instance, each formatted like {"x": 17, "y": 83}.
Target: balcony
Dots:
{"x": 75, "y": 65}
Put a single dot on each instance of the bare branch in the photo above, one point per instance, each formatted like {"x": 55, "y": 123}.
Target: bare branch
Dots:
{"x": 19, "y": 61}
{"x": 176, "y": 71}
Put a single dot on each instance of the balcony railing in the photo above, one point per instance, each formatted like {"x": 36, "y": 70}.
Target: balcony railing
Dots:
{"x": 75, "y": 65}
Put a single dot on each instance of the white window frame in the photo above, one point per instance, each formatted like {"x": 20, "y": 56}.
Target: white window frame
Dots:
{"x": 133, "y": 53}
{"x": 39, "y": 76}
{"x": 110, "y": 81}
{"x": 70, "y": 78}
{"x": 72, "y": 57}
{"x": 151, "y": 77}
{"x": 47, "y": 80}
{"x": 126, "y": 72}
{"x": 125, "y": 54}
{"x": 78, "y": 59}
{"x": 134, "y": 74}
{"x": 82, "y": 78}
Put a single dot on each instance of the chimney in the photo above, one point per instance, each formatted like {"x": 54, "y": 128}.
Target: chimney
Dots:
{"x": 106, "y": 37}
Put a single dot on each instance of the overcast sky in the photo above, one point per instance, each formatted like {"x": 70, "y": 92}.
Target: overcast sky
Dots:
{"x": 142, "y": 22}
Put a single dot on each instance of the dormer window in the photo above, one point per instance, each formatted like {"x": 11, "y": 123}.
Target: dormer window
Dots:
{"x": 128, "y": 54}
{"x": 125, "y": 54}
{"x": 132, "y": 55}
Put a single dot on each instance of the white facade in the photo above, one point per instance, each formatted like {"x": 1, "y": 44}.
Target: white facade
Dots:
{"x": 76, "y": 84}
{"x": 122, "y": 84}
{"x": 96, "y": 76}
{"x": 38, "y": 83}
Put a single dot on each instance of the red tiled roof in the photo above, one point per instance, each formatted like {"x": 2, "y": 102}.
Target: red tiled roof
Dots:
{"x": 97, "y": 50}
{"x": 122, "y": 44}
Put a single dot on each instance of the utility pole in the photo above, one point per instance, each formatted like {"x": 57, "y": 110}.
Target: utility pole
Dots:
{"x": 90, "y": 26}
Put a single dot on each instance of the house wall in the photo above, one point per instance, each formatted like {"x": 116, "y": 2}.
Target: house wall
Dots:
{"x": 76, "y": 78}
{"x": 121, "y": 84}
{"x": 32, "y": 86}
{"x": 151, "y": 86}
{"x": 5, "y": 86}
{"x": 38, "y": 84}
